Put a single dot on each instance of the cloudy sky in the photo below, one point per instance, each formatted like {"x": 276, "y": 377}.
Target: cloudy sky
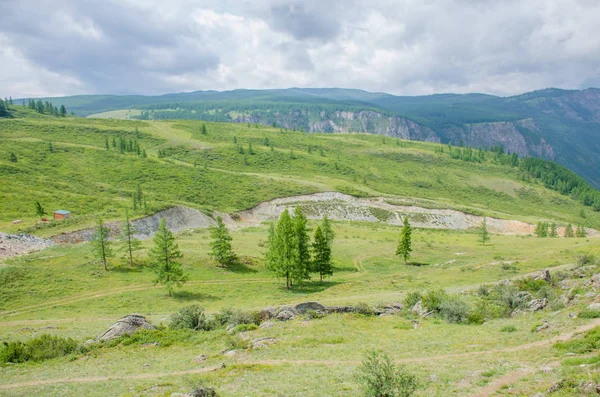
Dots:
{"x": 405, "y": 47}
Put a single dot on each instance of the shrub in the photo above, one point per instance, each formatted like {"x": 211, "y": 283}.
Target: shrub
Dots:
{"x": 531, "y": 285}
{"x": 190, "y": 317}
{"x": 508, "y": 328}
{"x": 454, "y": 310}
{"x": 313, "y": 314}
{"x": 586, "y": 260}
{"x": 244, "y": 328}
{"x": 509, "y": 296}
{"x": 434, "y": 298}
{"x": 412, "y": 298}
{"x": 378, "y": 376}
{"x": 161, "y": 337}
{"x": 237, "y": 343}
{"x": 483, "y": 290}
{"x": 235, "y": 317}
{"x": 41, "y": 348}
{"x": 589, "y": 313}
{"x": 475, "y": 317}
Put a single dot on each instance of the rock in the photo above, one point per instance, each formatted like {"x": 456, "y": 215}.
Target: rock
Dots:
{"x": 556, "y": 387}
{"x": 285, "y": 315}
{"x": 594, "y": 282}
{"x": 537, "y": 304}
{"x": 542, "y": 275}
{"x": 126, "y": 326}
{"x": 590, "y": 295}
{"x": 267, "y": 325}
{"x": 545, "y": 325}
{"x": 418, "y": 309}
{"x": 588, "y": 388}
{"x": 203, "y": 392}
{"x": 415, "y": 324}
{"x": 594, "y": 306}
{"x": 388, "y": 309}
{"x": 230, "y": 353}
{"x": 306, "y": 306}
{"x": 525, "y": 296}
{"x": 200, "y": 358}
{"x": 267, "y": 314}
{"x": 263, "y": 342}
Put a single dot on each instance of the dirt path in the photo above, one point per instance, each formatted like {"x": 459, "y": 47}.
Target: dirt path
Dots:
{"x": 487, "y": 391}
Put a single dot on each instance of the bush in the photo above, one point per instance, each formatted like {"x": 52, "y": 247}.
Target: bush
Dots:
{"x": 586, "y": 343}
{"x": 412, "y": 298}
{"x": 378, "y": 376}
{"x": 244, "y": 328}
{"x": 475, "y": 317}
{"x": 589, "y": 313}
{"x": 162, "y": 337}
{"x": 508, "y": 328}
{"x": 235, "y": 317}
{"x": 434, "y": 298}
{"x": 483, "y": 290}
{"x": 42, "y": 348}
{"x": 454, "y": 310}
{"x": 509, "y": 296}
{"x": 313, "y": 314}
{"x": 191, "y": 317}
{"x": 586, "y": 260}
{"x": 531, "y": 285}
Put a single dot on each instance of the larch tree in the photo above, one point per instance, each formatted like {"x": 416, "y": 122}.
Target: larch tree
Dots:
{"x": 405, "y": 244}
{"x": 580, "y": 232}
{"x": 553, "y": 232}
{"x": 327, "y": 231}
{"x": 281, "y": 253}
{"x": 165, "y": 256}
{"x": 321, "y": 255}
{"x": 484, "y": 235}
{"x": 220, "y": 246}
{"x": 301, "y": 268}
{"x": 129, "y": 243}
{"x": 63, "y": 111}
{"x": 203, "y": 129}
{"x": 101, "y": 244}
{"x": 39, "y": 210}
{"x": 569, "y": 231}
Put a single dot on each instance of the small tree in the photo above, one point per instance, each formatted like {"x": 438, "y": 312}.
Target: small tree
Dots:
{"x": 405, "y": 244}
{"x": 484, "y": 235}
{"x": 328, "y": 232}
{"x": 50, "y": 147}
{"x": 581, "y": 233}
{"x": 281, "y": 252}
{"x": 203, "y": 129}
{"x": 101, "y": 244}
{"x": 39, "y": 210}
{"x": 63, "y": 111}
{"x": 553, "y": 233}
{"x": 130, "y": 244}
{"x": 378, "y": 376}
{"x": 569, "y": 231}
{"x": 165, "y": 255}
{"x": 301, "y": 267}
{"x": 321, "y": 255}
{"x": 220, "y": 246}
{"x": 12, "y": 157}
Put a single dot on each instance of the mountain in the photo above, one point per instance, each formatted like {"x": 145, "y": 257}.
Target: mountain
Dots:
{"x": 554, "y": 124}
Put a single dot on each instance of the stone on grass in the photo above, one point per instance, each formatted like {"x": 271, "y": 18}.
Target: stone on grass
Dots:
{"x": 543, "y": 275}
{"x": 126, "y": 326}
{"x": 285, "y": 315}
{"x": 306, "y": 306}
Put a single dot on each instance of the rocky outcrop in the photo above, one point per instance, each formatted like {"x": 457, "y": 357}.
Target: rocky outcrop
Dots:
{"x": 17, "y": 244}
{"x": 126, "y": 326}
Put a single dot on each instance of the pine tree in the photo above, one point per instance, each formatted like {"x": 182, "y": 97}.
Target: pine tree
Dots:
{"x": 580, "y": 233}
{"x": 203, "y": 129}
{"x": 327, "y": 231}
{"x": 165, "y": 255}
{"x": 101, "y": 244}
{"x": 220, "y": 246}
{"x": 39, "y": 210}
{"x": 301, "y": 269}
{"x": 484, "y": 235}
{"x": 569, "y": 231}
{"x": 405, "y": 244}
{"x": 321, "y": 255}
{"x": 63, "y": 111}
{"x": 129, "y": 243}
{"x": 544, "y": 229}
{"x": 3, "y": 109}
{"x": 553, "y": 233}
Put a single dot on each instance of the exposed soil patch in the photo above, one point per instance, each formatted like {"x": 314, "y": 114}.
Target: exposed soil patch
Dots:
{"x": 17, "y": 244}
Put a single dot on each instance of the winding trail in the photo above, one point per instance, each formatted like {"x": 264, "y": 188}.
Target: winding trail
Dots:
{"x": 485, "y": 392}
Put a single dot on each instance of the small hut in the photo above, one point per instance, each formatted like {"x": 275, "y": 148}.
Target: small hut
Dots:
{"x": 61, "y": 214}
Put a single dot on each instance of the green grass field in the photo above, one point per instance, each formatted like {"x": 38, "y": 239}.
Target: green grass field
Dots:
{"x": 65, "y": 291}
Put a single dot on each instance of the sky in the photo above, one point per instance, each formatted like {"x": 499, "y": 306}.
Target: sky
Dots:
{"x": 403, "y": 47}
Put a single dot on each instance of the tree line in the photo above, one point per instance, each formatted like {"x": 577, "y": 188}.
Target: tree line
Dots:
{"x": 47, "y": 108}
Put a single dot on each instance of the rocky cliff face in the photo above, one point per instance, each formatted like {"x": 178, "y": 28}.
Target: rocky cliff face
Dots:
{"x": 508, "y": 134}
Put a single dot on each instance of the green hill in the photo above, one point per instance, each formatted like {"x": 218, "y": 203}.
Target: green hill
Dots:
{"x": 64, "y": 163}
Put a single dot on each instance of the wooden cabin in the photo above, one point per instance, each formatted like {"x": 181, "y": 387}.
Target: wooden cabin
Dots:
{"x": 61, "y": 214}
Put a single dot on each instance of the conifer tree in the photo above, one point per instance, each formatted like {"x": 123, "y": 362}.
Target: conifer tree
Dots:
{"x": 63, "y": 111}
{"x": 484, "y": 235}
{"x": 327, "y": 231}
{"x": 220, "y": 246}
{"x": 3, "y": 109}
{"x": 405, "y": 244}
{"x": 301, "y": 269}
{"x": 581, "y": 233}
{"x": 12, "y": 157}
{"x": 130, "y": 244}
{"x": 101, "y": 244}
{"x": 203, "y": 129}
{"x": 569, "y": 231}
{"x": 553, "y": 233}
{"x": 165, "y": 256}
{"x": 39, "y": 210}
{"x": 321, "y": 255}
{"x": 280, "y": 256}
{"x": 114, "y": 142}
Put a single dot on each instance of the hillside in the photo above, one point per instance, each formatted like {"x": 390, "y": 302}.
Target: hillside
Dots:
{"x": 553, "y": 124}
{"x": 78, "y": 164}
